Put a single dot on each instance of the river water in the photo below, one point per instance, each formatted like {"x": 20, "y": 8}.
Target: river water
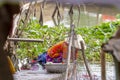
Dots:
{"x": 82, "y": 74}
{"x": 96, "y": 72}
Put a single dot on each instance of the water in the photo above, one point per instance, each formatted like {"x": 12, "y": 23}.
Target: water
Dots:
{"x": 96, "y": 72}
{"x": 82, "y": 74}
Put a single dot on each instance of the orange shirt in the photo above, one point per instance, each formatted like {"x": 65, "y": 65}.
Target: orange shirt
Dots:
{"x": 58, "y": 48}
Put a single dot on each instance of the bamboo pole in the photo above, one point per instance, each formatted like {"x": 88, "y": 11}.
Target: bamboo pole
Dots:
{"x": 68, "y": 59}
{"x": 25, "y": 40}
{"x": 103, "y": 69}
{"x": 85, "y": 61}
{"x": 69, "y": 51}
{"x": 74, "y": 74}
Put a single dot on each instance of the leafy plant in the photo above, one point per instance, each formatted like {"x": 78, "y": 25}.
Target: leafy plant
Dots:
{"x": 34, "y": 30}
{"x": 94, "y": 36}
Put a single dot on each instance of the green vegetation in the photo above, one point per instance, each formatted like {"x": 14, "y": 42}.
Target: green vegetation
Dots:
{"x": 94, "y": 36}
{"x": 50, "y": 35}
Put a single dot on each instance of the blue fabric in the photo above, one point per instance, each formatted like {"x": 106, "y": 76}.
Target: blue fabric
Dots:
{"x": 42, "y": 57}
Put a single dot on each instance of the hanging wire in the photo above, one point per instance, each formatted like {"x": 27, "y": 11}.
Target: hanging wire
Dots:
{"x": 26, "y": 19}
{"x": 57, "y": 12}
{"x": 78, "y": 6}
{"x": 53, "y": 15}
{"x": 41, "y": 16}
{"x": 71, "y": 14}
{"x": 43, "y": 4}
{"x": 41, "y": 21}
{"x": 34, "y": 12}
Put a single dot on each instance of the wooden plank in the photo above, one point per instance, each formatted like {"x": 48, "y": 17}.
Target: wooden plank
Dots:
{"x": 25, "y": 40}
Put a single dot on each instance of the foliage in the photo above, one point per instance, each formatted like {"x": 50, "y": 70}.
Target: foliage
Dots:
{"x": 94, "y": 37}
{"x": 118, "y": 16}
{"x": 50, "y": 35}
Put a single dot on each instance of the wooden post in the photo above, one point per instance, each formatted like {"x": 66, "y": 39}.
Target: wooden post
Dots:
{"x": 117, "y": 68}
{"x": 103, "y": 69}
{"x": 7, "y": 10}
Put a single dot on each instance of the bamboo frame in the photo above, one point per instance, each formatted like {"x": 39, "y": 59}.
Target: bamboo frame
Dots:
{"x": 25, "y": 40}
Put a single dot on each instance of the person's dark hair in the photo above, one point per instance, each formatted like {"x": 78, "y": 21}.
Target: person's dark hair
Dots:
{"x": 35, "y": 58}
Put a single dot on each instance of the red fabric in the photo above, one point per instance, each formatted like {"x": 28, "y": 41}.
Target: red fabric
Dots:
{"x": 58, "y": 48}
{"x": 108, "y": 17}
